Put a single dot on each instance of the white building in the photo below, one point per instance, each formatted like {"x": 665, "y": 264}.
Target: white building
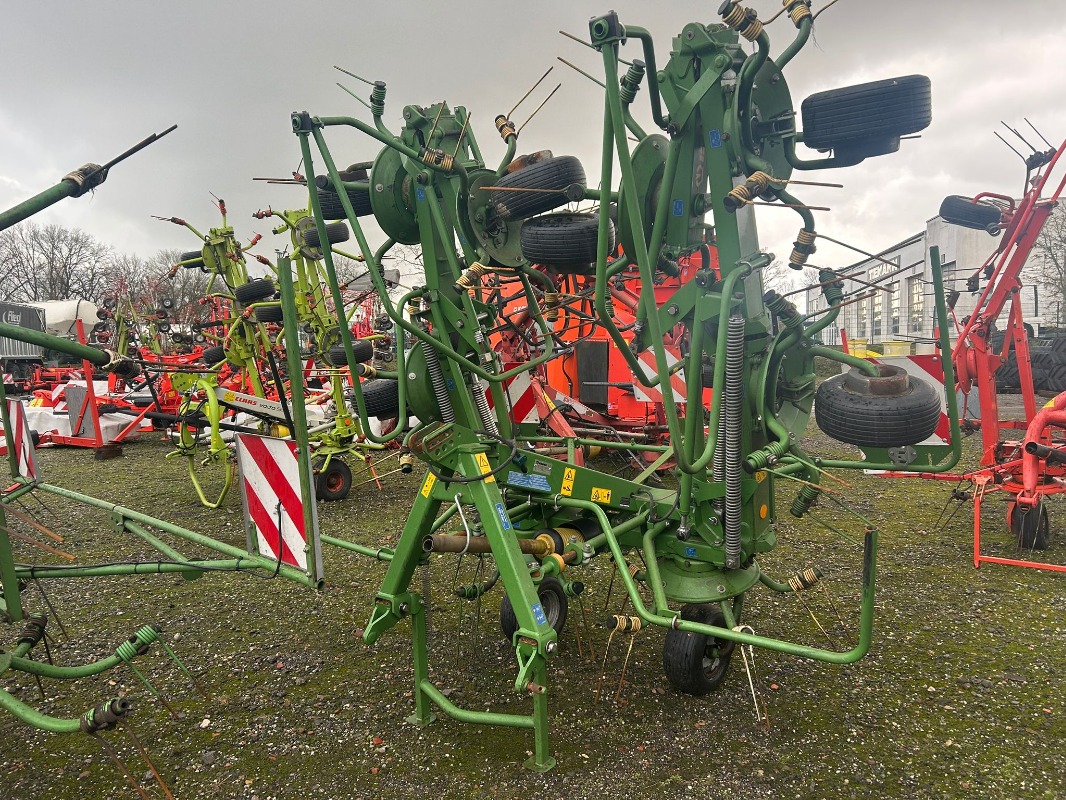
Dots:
{"x": 905, "y": 310}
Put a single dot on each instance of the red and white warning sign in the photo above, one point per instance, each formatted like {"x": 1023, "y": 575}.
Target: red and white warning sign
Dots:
{"x": 654, "y": 394}
{"x": 273, "y": 506}
{"x": 22, "y": 440}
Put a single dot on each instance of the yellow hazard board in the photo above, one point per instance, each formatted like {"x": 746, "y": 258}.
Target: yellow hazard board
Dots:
{"x": 483, "y": 465}
{"x": 568, "y": 481}
{"x": 427, "y": 487}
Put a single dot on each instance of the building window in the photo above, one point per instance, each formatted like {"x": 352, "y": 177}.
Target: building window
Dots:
{"x": 917, "y": 304}
{"x": 860, "y": 322}
{"x": 875, "y": 316}
{"x": 893, "y": 308}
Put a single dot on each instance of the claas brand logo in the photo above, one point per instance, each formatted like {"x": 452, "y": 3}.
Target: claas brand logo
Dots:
{"x": 13, "y": 317}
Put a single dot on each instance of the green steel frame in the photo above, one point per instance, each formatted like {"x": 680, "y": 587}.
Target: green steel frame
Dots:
{"x": 727, "y": 115}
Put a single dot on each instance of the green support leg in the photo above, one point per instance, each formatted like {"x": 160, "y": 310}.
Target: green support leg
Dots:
{"x": 423, "y": 707}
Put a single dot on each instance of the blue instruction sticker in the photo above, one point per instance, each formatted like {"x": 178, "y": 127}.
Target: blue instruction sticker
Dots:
{"x": 538, "y": 483}
{"x": 450, "y": 383}
{"x": 679, "y": 208}
{"x": 421, "y": 193}
{"x": 715, "y": 137}
{"x": 503, "y": 516}
{"x": 538, "y": 614}
{"x": 690, "y": 552}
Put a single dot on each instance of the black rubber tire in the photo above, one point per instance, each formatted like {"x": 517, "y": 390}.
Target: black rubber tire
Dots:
{"x": 269, "y": 314}
{"x": 554, "y": 173}
{"x": 330, "y": 201}
{"x": 102, "y": 314}
{"x": 194, "y": 257}
{"x": 361, "y": 349}
{"x": 382, "y": 397}
{"x": 161, "y": 313}
{"x": 566, "y": 242}
{"x": 963, "y": 211}
{"x": 99, "y": 326}
{"x": 110, "y": 303}
{"x": 336, "y": 232}
{"x": 553, "y": 600}
{"x": 867, "y": 116}
{"x": 163, "y": 327}
{"x": 696, "y": 663}
{"x": 891, "y": 411}
{"x": 258, "y": 289}
{"x": 167, "y": 303}
{"x": 213, "y": 355}
{"x": 1032, "y": 529}
{"x": 334, "y": 482}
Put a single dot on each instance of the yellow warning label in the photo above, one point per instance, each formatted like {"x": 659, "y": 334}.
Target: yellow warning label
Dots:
{"x": 483, "y": 465}
{"x": 228, "y": 397}
{"x": 760, "y": 476}
{"x": 568, "y": 481}
{"x": 600, "y": 495}
{"x": 427, "y": 487}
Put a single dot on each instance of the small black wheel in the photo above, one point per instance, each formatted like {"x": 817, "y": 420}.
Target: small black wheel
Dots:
{"x": 110, "y": 303}
{"x": 696, "y": 663}
{"x": 213, "y": 355}
{"x": 199, "y": 338}
{"x": 193, "y": 259}
{"x": 258, "y": 289}
{"x": 382, "y": 397}
{"x": 334, "y": 482}
{"x": 167, "y": 303}
{"x": 163, "y": 327}
{"x": 102, "y": 314}
{"x": 867, "y": 119}
{"x": 553, "y": 600}
{"x": 161, "y": 313}
{"x": 330, "y": 201}
{"x": 556, "y": 174}
{"x": 269, "y": 314}
{"x": 566, "y": 242}
{"x": 336, "y": 232}
{"x": 99, "y": 326}
{"x": 1031, "y": 528}
{"x": 969, "y": 213}
{"x": 892, "y": 410}
{"x": 361, "y": 349}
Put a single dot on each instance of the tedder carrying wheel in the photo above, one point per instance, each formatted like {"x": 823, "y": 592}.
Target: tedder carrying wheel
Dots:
{"x": 892, "y": 410}
{"x": 553, "y": 600}
{"x": 330, "y": 201}
{"x": 1030, "y": 528}
{"x": 566, "y": 242}
{"x": 537, "y": 188}
{"x": 865, "y": 120}
{"x": 333, "y": 481}
{"x": 268, "y": 314}
{"x": 696, "y": 663}
{"x": 213, "y": 355}
{"x": 969, "y": 213}
{"x": 259, "y": 289}
{"x": 361, "y": 349}
{"x": 382, "y": 397}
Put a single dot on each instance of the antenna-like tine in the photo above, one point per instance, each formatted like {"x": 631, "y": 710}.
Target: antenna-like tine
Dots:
{"x": 357, "y": 77}
{"x": 1038, "y": 133}
{"x": 1015, "y": 132}
{"x": 527, "y": 94}
{"x": 353, "y": 94}
{"x": 1008, "y": 145}
{"x": 590, "y": 47}
{"x": 546, "y": 99}
{"x": 578, "y": 69}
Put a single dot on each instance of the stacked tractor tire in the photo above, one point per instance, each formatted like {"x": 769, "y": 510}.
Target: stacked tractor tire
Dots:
{"x": 1047, "y": 355}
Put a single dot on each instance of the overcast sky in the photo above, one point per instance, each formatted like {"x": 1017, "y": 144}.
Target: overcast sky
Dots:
{"x": 86, "y": 80}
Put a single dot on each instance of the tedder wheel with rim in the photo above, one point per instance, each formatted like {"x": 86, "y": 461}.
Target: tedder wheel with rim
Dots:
{"x": 696, "y": 663}
{"x": 553, "y": 600}
{"x": 332, "y": 481}
{"x": 1031, "y": 528}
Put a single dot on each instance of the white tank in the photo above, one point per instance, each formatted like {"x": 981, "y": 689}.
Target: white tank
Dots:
{"x": 60, "y": 316}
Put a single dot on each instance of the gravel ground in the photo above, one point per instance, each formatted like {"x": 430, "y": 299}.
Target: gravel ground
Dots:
{"x": 961, "y": 695}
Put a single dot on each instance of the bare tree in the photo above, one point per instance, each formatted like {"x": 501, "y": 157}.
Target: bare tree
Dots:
{"x": 52, "y": 263}
{"x": 1049, "y": 263}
